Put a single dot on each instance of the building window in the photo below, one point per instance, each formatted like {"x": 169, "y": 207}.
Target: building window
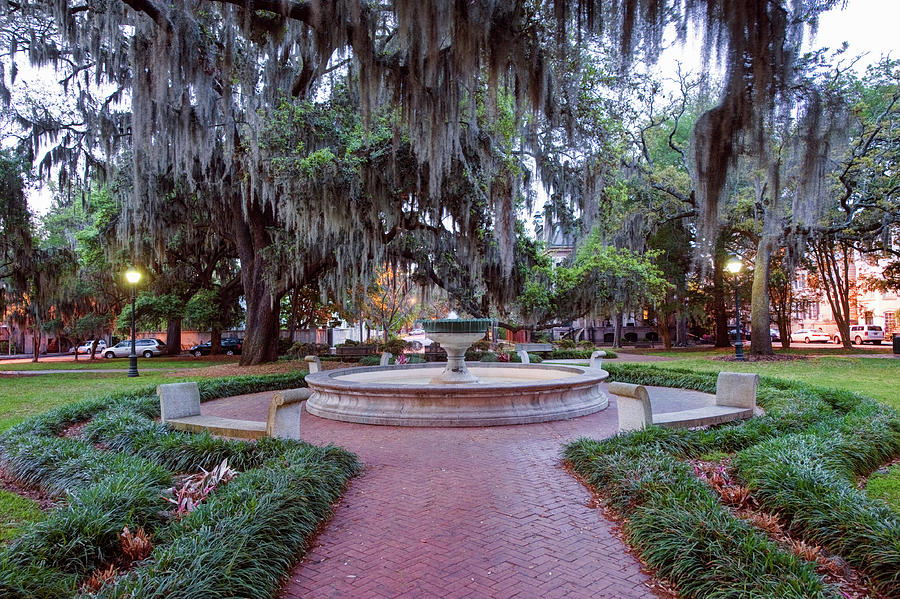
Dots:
{"x": 890, "y": 323}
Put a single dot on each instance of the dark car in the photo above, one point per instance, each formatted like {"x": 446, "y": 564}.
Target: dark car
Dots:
{"x": 230, "y": 346}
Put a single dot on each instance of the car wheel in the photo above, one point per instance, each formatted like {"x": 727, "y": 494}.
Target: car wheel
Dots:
{"x": 109, "y": 355}
{"x": 198, "y": 353}
{"x": 859, "y": 341}
{"x": 148, "y": 354}
{"x": 230, "y": 352}
{"x": 837, "y": 340}
{"x": 806, "y": 340}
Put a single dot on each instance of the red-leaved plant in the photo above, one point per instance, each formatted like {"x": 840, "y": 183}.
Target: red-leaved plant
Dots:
{"x": 196, "y": 487}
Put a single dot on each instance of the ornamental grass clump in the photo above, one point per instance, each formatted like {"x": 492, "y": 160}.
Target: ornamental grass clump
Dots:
{"x": 679, "y": 527}
{"x": 234, "y": 539}
{"x": 799, "y": 461}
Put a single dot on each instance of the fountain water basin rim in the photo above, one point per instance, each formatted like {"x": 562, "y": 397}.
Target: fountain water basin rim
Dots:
{"x": 402, "y": 396}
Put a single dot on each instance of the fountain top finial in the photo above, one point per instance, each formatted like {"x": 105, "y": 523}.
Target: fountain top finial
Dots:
{"x": 458, "y": 325}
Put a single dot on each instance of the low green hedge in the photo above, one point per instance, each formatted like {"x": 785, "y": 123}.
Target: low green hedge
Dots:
{"x": 241, "y": 541}
{"x": 799, "y": 460}
{"x": 577, "y": 354}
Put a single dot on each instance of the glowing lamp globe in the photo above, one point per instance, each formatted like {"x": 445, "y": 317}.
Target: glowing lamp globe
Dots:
{"x": 132, "y": 276}
{"x": 734, "y": 266}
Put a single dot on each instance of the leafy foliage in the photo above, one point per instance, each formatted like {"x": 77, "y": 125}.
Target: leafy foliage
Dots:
{"x": 257, "y": 516}
{"x": 799, "y": 460}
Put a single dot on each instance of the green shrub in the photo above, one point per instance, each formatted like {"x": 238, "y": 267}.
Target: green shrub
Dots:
{"x": 245, "y": 536}
{"x": 482, "y": 345}
{"x": 586, "y": 345}
{"x": 394, "y": 346}
{"x": 565, "y": 344}
{"x": 679, "y": 527}
{"x": 577, "y": 354}
{"x": 414, "y": 359}
{"x": 800, "y": 460}
{"x": 370, "y": 361}
{"x": 489, "y": 356}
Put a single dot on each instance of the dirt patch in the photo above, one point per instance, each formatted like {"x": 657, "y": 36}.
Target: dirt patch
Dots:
{"x": 9, "y": 483}
{"x": 761, "y": 358}
{"x": 271, "y": 368}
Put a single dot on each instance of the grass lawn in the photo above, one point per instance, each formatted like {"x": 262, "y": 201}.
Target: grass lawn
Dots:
{"x": 114, "y": 363}
{"x": 15, "y": 511}
{"x": 21, "y": 397}
{"x": 878, "y": 378}
{"x": 886, "y": 486}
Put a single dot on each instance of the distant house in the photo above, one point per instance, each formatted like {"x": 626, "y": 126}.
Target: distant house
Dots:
{"x": 812, "y": 309}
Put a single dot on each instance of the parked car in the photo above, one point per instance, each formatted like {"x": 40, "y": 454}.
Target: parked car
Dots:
{"x": 230, "y": 346}
{"x": 773, "y": 333}
{"x": 142, "y": 347}
{"x": 417, "y": 339}
{"x": 85, "y": 348}
{"x": 810, "y": 336}
{"x": 866, "y": 333}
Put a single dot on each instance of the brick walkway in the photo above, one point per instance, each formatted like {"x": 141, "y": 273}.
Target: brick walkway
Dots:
{"x": 465, "y": 512}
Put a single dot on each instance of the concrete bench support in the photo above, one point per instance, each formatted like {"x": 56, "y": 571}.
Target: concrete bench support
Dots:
{"x": 634, "y": 407}
{"x": 523, "y": 355}
{"x": 597, "y": 359}
{"x": 385, "y": 358}
{"x": 313, "y": 364}
{"x": 180, "y": 409}
{"x": 284, "y": 413}
{"x": 735, "y": 400}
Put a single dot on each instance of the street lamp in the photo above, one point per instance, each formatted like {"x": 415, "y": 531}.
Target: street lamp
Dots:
{"x": 132, "y": 275}
{"x": 734, "y": 266}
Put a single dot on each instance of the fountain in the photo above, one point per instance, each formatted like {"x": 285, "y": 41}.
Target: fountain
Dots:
{"x": 456, "y": 394}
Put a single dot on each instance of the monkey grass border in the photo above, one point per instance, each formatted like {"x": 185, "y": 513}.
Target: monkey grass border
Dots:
{"x": 799, "y": 460}
{"x": 241, "y": 541}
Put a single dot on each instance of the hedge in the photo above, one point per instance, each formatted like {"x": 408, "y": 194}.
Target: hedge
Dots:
{"x": 241, "y": 541}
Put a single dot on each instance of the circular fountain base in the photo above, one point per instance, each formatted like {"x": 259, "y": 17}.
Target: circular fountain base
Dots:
{"x": 506, "y": 394}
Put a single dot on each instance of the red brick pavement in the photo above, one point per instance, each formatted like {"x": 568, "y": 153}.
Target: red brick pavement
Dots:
{"x": 459, "y": 513}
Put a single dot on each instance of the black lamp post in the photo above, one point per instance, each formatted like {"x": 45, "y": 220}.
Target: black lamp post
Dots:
{"x": 734, "y": 266}
{"x": 132, "y": 275}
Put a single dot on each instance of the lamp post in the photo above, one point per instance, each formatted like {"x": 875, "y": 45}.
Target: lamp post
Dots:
{"x": 132, "y": 275}
{"x": 734, "y": 266}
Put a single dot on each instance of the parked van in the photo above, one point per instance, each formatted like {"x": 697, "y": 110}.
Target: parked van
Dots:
{"x": 866, "y": 333}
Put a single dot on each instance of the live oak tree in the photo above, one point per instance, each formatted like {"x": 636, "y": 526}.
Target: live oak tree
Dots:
{"x": 204, "y": 79}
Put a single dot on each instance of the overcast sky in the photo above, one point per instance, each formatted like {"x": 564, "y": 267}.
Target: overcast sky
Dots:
{"x": 867, "y": 25}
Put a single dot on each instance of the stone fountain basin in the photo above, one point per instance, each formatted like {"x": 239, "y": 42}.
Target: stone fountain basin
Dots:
{"x": 506, "y": 394}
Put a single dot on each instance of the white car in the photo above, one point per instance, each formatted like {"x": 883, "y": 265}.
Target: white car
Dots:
{"x": 85, "y": 348}
{"x": 417, "y": 339}
{"x": 810, "y": 336}
{"x": 142, "y": 347}
{"x": 866, "y": 333}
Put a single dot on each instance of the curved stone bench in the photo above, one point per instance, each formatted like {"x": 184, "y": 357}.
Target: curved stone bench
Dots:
{"x": 735, "y": 399}
{"x": 180, "y": 408}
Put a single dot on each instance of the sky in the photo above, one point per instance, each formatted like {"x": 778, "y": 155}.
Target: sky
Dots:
{"x": 867, "y": 25}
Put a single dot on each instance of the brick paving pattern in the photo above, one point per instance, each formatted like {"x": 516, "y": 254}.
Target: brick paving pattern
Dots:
{"x": 459, "y": 513}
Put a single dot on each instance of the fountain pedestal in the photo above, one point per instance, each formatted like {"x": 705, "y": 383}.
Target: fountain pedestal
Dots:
{"x": 455, "y": 344}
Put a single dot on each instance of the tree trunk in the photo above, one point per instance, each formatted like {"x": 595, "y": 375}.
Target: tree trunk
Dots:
{"x": 833, "y": 264}
{"x": 617, "y": 334}
{"x": 292, "y": 318}
{"x": 681, "y": 329}
{"x": 215, "y": 341}
{"x": 663, "y": 329}
{"x": 720, "y": 309}
{"x": 36, "y": 343}
{"x": 760, "y": 315}
{"x": 173, "y": 337}
{"x": 261, "y": 293}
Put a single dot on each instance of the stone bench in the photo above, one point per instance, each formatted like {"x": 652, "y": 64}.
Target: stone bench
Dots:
{"x": 735, "y": 400}
{"x": 534, "y": 347}
{"x": 180, "y": 409}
